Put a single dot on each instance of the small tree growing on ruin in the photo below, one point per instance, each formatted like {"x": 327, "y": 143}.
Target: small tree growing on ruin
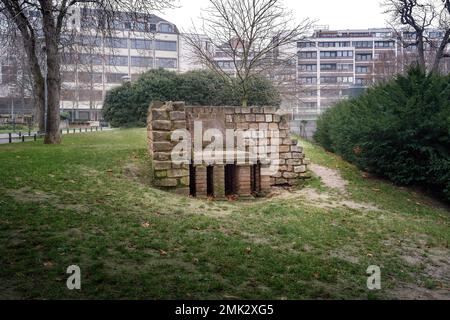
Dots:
{"x": 245, "y": 38}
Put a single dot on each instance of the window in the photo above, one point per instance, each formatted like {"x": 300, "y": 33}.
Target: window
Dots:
{"x": 115, "y": 77}
{"x": 87, "y": 77}
{"x": 118, "y": 61}
{"x": 384, "y": 44}
{"x": 334, "y": 54}
{"x": 90, "y": 95}
{"x": 308, "y": 55}
{"x": 309, "y": 93}
{"x": 119, "y": 43}
{"x": 435, "y": 34}
{"x": 362, "y": 82}
{"x": 166, "y": 28}
{"x": 91, "y": 41}
{"x": 308, "y": 80}
{"x": 328, "y": 67}
{"x": 362, "y": 69}
{"x": 143, "y": 62}
{"x": 68, "y": 76}
{"x": 67, "y": 95}
{"x": 334, "y": 44}
{"x": 328, "y": 54}
{"x": 345, "y": 67}
{"x": 328, "y": 79}
{"x": 118, "y": 25}
{"x": 363, "y": 44}
{"x": 330, "y": 93}
{"x": 166, "y": 63}
{"x": 140, "y": 26}
{"x": 364, "y": 57}
{"x": 166, "y": 45}
{"x": 225, "y": 64}
{"x": 345, "y": 53}
{"x": 309, "y": 105}
{"x": 83, "y": 115}
{"x": 141, "y": 44}
{"x": 9, "y": 74}
{"x": 91, "y": 59}
{"x": 345, "y": 79}
{"x": 308, "y": 67}
{"x": 307, "y": 44}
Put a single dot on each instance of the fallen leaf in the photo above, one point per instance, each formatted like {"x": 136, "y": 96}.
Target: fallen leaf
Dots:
{"x": 48, "y": 264}
{"x": 162, "y": 253}
{"x": 146, "y": 225}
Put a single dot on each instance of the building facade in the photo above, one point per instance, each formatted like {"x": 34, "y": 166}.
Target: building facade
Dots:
{"x": 337, "y": 64}
{"x": 98, "y": 63}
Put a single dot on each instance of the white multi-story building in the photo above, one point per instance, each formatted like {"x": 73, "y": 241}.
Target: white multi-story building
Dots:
{"x": 337, "y": 64}
{"x": 99, "y": 63}
{"x": 93, "y": 63}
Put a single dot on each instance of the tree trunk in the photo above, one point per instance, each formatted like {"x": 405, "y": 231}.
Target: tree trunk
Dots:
{"x": 440, "y": 52}
{"x": 52, "y": 133}
{"x": 245, "y": 94}
{"x": 421, "y": 51}
{"x": 244, "y": 102}
{"x": 39, "y": 104}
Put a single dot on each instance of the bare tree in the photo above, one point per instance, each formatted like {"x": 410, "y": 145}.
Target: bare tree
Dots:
{"x": 41, "y": 25}
{"x": 246, "y": 35}
{"x": 418, "y": 16}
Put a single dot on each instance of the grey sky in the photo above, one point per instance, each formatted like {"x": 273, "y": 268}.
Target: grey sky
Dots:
{"x": 338, "y": 14}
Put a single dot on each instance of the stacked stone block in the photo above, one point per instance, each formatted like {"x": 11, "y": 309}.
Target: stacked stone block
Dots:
{"x": 163, "y": 119}
{"x": 293, "y": 164}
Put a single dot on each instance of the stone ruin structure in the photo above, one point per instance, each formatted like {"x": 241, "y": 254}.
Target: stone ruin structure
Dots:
{"x": 232, "y": 178}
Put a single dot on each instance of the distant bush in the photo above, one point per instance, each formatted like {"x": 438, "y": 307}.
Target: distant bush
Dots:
{"x": 399, "y": 130}
{"x": 127, "y": 105}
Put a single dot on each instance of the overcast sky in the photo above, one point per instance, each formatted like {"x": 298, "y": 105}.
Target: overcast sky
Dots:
{"x": 338, "y": 14}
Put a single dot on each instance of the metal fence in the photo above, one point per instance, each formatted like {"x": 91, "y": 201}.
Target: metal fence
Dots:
{"x": 13, "y": 137}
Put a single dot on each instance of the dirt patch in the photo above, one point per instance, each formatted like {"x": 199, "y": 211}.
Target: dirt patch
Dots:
{"x": 322, "y": 200}
{"x": 331, "y": 178}
{"x": 137, "y": 172}
{"x": 431, "y": 267}
{"x": 26, "y": 195}
{"x": 407, "y": 291}
{"x": 346, "y": 253}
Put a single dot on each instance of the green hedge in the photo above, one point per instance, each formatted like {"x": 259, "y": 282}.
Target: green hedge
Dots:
{"x": 127, "y": 105}
{"x": 399, "y": 130}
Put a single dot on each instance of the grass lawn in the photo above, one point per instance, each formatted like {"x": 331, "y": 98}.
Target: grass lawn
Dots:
{"x": 88, "y": 202}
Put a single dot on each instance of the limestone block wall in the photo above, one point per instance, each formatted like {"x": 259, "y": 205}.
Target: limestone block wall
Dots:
{"x": 164, "y": 118}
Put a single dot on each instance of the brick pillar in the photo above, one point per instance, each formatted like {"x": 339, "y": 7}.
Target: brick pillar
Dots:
{"x": 219, "y": 182}
{"x": 200, "y": 182}
{"x": 243, "y": 176}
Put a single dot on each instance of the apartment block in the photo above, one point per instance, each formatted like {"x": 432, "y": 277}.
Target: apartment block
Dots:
{"x": 334, "y": 65}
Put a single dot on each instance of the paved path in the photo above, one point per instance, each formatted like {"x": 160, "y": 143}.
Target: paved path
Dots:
{"x": 4, "y": 137}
